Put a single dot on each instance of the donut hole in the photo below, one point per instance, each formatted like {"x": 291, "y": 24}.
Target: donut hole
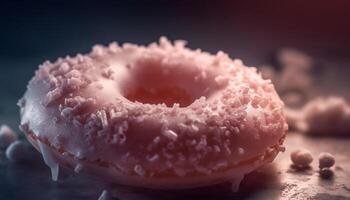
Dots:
{"x": 153, "y": 82}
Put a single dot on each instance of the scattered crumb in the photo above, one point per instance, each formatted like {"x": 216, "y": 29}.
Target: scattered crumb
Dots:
{"x": 327, "y": 116}
{"x": 326, "y": 173}
{"x": 326, "y": 160}
{"x": 301, "y": 158}
{"x": 321, "y": 116}
{"x": 293, "y": 57}
{"x": 17, "y": 151}
{"x": 293, "y": 81}
{"x": 7, "y": 136}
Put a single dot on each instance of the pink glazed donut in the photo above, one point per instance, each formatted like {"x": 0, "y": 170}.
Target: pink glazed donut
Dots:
{"x": 158, "y": 116}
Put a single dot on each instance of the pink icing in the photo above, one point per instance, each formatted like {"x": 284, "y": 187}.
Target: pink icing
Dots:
{"x": 113, "y": 105}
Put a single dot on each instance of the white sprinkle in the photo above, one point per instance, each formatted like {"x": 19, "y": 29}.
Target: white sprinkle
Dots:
{"x": 156, "y": 140}
{"x": 170, "y": 134}
{"x": 52, "y": 96}
{"x": 78, "y": 168}
{"x": 7, "y": 136}
{"x": 139, "y": 170}
{"x": 21, "y": 103}
{"x": 74, "y": 73}
{"x": 221, "y": 81}
{"x": 103, "y": 117}
{"x": 64, "y": 67}
{"x": 240, "y": 151}
{"x": 216, "y": 148}
{"x": 79, "y": 155}
{"x": 67, "y": 112}
{"x": 77, "y": 123}
{"x": 155, "y": 157}
{"x": 74, "y": 82}
{"x": 97, "y": 50}
{"x": 194, "y": 128}
{"x": 202, "y": 144}
{"x": 220, "y": 165}
{"x": 113, "y": 47}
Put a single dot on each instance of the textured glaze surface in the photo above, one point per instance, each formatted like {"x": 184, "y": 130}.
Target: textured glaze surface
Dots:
{"x": 93, "y": 110}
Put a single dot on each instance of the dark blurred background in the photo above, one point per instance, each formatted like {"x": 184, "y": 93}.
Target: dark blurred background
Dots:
{"x": 35, "y": 31}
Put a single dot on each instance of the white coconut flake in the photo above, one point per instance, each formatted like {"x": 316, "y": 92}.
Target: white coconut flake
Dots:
{"x": 78, "y": 168}
{"x": 170, "y": 134}
{"x": 139, "y": 170}
{"x": 103, "y": 117}
{"x": 153, "y": 158}
{"x": 67, "y": 112}
{"x": 240, "y": 151}
{"x": 221, "y": 80}
{"x": 202, "y": 144}
{"x": 52, "y": 96}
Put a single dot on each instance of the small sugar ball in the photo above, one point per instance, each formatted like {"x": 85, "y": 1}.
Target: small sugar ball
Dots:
{"x": 301, "y": 158}
{"x": 326, "y": 160}
{"x": 326, "y": 173}
{"x": 17, "y": 151}
{"x": 7, "y": 136}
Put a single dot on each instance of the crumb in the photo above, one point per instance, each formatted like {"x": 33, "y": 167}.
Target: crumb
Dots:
{"x": 293, "y": 82}
{"x": 327, "y": 116}
{"x": 7, "y": 136}
{"x": 301, "y": 158}
{"x": 293, "y": 57}
{"x": 292, "y": 79}
{"x": 326, "y": 173}
{"x": 326, "y": 160}
{"x": 17, "y": 151}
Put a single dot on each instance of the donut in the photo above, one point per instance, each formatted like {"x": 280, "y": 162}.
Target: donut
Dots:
{"x": 159, "y": 116}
